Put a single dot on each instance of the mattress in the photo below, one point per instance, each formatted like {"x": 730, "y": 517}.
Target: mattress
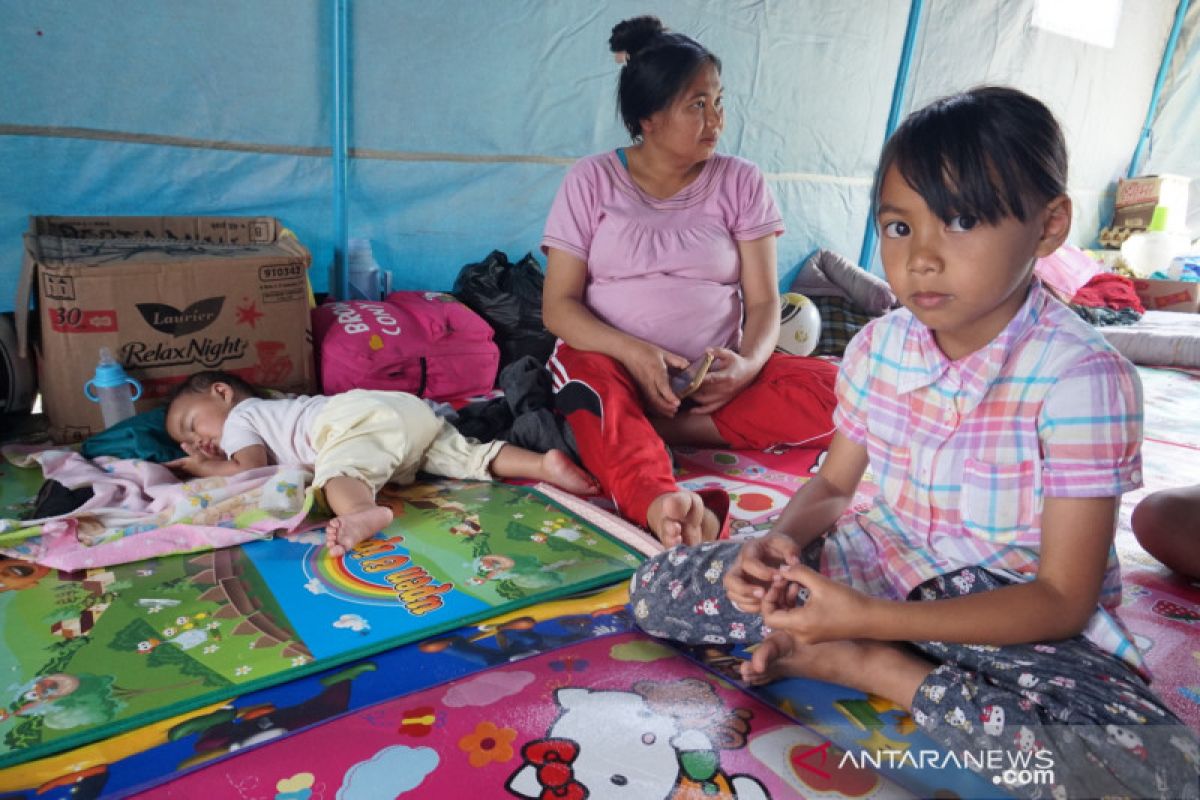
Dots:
{"x": 1159, "y": 338}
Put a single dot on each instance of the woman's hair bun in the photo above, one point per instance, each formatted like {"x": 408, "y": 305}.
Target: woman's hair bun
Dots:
{"x": 631, "y": 35}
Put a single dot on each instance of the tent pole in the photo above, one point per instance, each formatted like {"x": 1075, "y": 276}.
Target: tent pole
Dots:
{"x": 898, "y": 92}
{"x": 1135, "y": 163}
{"x": 340, "y": 283}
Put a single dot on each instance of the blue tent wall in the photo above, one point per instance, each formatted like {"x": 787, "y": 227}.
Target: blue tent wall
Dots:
{"x": 517, "y": 98}
{"x": 465, "y": 115}
{"x": 1099, "y": 94}
{"x": 1175, "y": 139}
{"x": 162, "y": 108}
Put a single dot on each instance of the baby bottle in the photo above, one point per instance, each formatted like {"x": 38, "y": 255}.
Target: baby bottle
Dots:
{"x": 110, "y": 387}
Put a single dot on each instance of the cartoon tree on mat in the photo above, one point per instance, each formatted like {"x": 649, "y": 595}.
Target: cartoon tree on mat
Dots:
{"x": 516, "y": 498}
{"x": 174, "y": 585}
{"x": 518, "y": 532}
{"x": 138, "y": 633}
{"x": 61, "y": 654}
{"x": 509, "y": 590}
{"x": 26, "y": 734}
{"x": 128, "y": 638}
{"x": 480, "y": 546}
{"x": 187, "y": 665}
{"x": 61, "y": 614}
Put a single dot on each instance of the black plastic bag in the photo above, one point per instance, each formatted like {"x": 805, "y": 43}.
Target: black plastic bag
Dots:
{"x": 509, "y": 297}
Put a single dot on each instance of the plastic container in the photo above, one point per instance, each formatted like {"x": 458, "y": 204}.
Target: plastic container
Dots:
{"x": 368, "y": 281}
{"x": 1154, "y": 249}
{"x": 1186, "y": 268}
{"x": 111, "y": 388}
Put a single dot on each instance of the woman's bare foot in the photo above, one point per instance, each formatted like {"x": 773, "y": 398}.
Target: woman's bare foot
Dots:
{"x": 557, "y": 469}
{"x": 881, "y": 668}
{"x": 681, "y": 518}
{"x": 346, "y": 530}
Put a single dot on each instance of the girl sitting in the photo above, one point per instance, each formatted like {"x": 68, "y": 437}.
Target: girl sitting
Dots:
{"x": 978, "y": 592}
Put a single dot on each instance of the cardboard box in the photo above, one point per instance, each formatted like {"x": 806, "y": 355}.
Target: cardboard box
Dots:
{"x": 168, "y": 296}
{"x": 1168, "y": 295}
{"x": 1137, "y": 197}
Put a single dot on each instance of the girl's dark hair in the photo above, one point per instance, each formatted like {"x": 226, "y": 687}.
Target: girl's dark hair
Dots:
{"x": 660, "y": 65}
{"x": 201, "y": 382}
{"x": 991, "y": 152}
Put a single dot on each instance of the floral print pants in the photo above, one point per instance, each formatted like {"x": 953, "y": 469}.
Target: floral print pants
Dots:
{"x": 1048, "y": 719}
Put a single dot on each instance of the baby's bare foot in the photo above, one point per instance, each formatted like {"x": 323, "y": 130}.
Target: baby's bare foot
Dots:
{"x": 559, "y": 470}
{"x": 346, "y": 530}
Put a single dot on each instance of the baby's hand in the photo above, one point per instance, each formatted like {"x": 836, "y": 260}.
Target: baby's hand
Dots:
{"x": 758, "y": 562}
{"x": 827, "y": 611}
{"x": 207, "y": 449}
{"x": 186, "y": 467}
{"x": 195, "y": 462}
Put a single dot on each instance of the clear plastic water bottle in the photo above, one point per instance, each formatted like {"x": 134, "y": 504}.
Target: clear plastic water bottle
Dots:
{"x": 366, "y": 276}
{"x": 110, "y": 387}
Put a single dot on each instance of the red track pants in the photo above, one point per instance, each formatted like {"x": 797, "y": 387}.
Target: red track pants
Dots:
{"x": 790, "y": 402}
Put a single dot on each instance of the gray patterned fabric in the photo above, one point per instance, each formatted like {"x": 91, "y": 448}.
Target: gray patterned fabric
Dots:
{"x": 1066, "y": 707}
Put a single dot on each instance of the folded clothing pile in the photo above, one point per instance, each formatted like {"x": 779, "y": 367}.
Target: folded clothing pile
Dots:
{"x": 524, "y": 415}
{"x": 1108, "y": 299}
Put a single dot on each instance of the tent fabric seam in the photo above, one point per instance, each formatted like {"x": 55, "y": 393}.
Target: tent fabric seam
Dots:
{"x": 62, "y": 132}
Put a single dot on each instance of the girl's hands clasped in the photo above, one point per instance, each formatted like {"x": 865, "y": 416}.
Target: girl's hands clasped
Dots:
{"x": 831, "y": 611}
{"x": 754, "y": 572}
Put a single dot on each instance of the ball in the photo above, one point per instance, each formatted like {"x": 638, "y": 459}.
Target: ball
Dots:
{"x": 799, "y": 326}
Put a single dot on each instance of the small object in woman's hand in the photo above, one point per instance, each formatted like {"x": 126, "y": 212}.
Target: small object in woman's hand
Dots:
{"x": 687, "y": 381}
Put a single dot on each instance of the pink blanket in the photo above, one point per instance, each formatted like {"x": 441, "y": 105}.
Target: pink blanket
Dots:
{"x": 140, "y": 510}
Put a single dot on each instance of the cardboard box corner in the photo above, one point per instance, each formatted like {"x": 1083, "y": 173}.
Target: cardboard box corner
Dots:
{"x": 169, "y": 296}
{"x": 1158, "y": 295}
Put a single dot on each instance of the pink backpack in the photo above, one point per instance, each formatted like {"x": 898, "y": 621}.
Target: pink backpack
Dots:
{"x": 424, "y": 343}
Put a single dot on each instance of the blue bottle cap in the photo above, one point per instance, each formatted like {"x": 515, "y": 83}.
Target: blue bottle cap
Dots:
{"x": 110, "y": 374}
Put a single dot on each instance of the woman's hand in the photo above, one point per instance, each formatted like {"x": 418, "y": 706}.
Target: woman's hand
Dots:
{"x": 648, "y": 364}
{"x": 754, "y": 572}
{"x": 831, "y": 611}
{"x": 728, "y": 375}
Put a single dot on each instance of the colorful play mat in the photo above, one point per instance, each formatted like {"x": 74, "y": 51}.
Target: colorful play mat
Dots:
{"x": 221, "y": 673}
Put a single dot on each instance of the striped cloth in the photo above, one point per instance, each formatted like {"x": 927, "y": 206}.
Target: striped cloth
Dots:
{"x": 964, "y": 452}
{"x": 841, "y": 319}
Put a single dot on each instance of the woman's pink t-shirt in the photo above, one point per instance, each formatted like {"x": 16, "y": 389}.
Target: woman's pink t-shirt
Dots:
{"x": 666, "y": 271}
